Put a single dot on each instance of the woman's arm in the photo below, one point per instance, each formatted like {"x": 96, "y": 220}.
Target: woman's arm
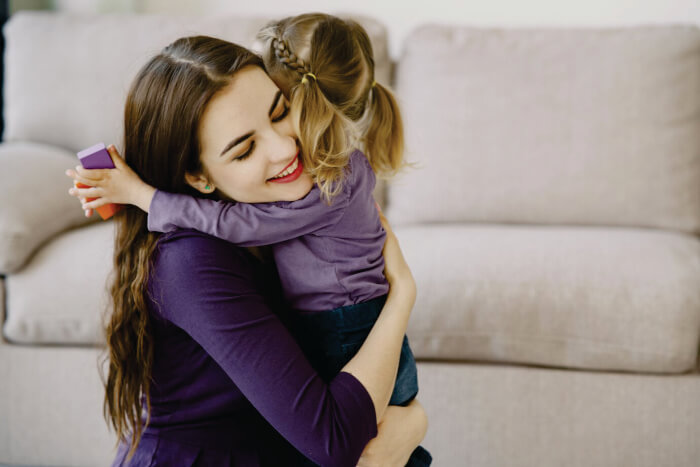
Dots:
{"x": 401, "y": 431}
{"x": 206, "y": 287}
{"x": 386, "y": 336}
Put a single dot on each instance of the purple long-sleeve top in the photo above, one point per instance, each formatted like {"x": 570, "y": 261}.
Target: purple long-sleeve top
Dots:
{"x": 228, "y": 377}
{"x": 327, "y": 256}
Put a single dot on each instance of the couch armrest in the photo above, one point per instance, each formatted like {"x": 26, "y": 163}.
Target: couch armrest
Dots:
{"x": 34, "y": 199}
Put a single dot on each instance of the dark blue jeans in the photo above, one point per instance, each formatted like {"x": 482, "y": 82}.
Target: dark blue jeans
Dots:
{"x": 331, "y": 338}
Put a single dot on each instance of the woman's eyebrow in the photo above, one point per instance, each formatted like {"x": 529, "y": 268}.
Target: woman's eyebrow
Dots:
{"x": 235, "y": 142}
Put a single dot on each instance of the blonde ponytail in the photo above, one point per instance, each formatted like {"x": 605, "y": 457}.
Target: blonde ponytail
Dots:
{"x": 324, "y": 135}
{"x": 384, "y": 135}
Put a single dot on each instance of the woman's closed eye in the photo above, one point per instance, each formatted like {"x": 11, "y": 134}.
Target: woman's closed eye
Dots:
{"x": 281, "y": 115}
{"x": 282, "y": 112}
{"x": 247, "y": 153}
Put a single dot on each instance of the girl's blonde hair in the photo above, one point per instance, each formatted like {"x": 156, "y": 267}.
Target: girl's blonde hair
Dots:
{"x": 325, "y": 66}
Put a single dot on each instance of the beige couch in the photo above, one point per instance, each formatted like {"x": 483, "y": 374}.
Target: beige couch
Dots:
{"x": 552, "y": 225}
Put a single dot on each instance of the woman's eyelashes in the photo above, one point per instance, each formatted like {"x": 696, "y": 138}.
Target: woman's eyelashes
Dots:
{"x": 283, "y": 114}
{"x": 247, "y": 153}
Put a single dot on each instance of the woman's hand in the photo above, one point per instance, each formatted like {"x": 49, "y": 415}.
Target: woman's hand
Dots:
{"x": 396, "y": 270}
{"x": 119, "y": 185}
{"x": 399, "y": 433}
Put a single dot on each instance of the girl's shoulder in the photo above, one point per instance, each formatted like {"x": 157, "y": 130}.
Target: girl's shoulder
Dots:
{"x": 358, "y": 157}
{"x": 361, "y": 172}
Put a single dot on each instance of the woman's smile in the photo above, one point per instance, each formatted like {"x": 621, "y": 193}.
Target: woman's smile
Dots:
{"x": 261, "y": 160}
{"x": 290, "y": 173}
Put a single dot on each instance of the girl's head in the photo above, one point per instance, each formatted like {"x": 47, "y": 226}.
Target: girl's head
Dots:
{"x": 325, "y": 65}
{"x": 202, "y": 118}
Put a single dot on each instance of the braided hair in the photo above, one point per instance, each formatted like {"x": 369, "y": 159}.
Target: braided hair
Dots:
{"x": 289, "y": 58}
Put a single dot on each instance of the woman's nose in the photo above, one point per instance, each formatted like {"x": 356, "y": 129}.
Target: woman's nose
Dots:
{"x": 283, "y": 146}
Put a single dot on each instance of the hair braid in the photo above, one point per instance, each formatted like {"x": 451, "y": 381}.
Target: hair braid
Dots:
{"x": 289, "y": 58}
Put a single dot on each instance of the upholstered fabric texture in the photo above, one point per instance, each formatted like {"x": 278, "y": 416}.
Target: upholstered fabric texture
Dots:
{"x": 61, "y": 295}
{"x": 575, "y": 297}
{"x": 88, "y": 105}
{"x": 551, "y": 126}
{"x": 35, "y": 202}
{"x": 479, "y": 415}
{"x": 515, "y": 416}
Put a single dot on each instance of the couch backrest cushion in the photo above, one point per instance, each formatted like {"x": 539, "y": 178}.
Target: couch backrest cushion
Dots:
{"x": 579, "y": 126}
{"x": 68, "y": 75}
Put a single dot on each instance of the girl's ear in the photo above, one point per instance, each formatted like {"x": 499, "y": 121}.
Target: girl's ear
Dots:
{"x": 199, "y": 182}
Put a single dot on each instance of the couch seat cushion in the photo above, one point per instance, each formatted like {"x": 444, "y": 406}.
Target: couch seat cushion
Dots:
{"x": 60, "y": 297}
{"x": 594, "y": 298}
{"x": 34, "y": 199}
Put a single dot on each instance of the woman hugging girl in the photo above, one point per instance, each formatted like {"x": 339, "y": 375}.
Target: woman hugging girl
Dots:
{"x": 313, "y": 206}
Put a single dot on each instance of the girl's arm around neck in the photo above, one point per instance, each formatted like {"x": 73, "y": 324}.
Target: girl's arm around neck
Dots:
{"x": 243, "y": 224}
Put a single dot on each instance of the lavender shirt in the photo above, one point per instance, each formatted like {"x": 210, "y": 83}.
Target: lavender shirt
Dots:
{"x": 327, "y": 256}
{"x": 230, "y": 385}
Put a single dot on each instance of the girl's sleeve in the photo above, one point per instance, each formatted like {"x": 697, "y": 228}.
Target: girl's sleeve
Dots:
{"x": 205, "y": 286}
{"x": 242, "y": 223}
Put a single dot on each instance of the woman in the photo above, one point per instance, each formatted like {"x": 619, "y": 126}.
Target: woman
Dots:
{"x": 193, "y": 330}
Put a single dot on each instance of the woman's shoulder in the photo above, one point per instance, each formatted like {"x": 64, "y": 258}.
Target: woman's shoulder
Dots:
{"x": 188, "y": 266}
{"x": 191, "y": 239}
{"x": 192, "y": 250}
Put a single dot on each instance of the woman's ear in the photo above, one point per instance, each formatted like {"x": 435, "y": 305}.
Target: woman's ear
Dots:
{"x": 199, "y": 183}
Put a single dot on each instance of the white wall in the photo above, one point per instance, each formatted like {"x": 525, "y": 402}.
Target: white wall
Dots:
{"x": 402, "y": 16}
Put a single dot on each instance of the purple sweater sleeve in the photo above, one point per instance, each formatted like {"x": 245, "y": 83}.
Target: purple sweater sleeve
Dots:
{"x": 204, "y": 286}
{"x": 242, "y": 223}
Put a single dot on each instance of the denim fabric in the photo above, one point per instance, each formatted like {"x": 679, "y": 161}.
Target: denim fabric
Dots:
{"x": 331, "y": 338}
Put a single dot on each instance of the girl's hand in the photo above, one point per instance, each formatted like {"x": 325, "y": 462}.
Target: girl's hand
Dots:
{"x": 119, "y": 185}
{"x": 396, "y": 270}
{"x": 401, "y": 430}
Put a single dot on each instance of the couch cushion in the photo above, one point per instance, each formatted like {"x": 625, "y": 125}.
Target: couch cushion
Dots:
{"x": 580, "y": 126}
{"x": 34, "y": 199}
{"x": 81, "y": 102}
{"x": 60, "y": 297}
{"x": 595, "y": 298}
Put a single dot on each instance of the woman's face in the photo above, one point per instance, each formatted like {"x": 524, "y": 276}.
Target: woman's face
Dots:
{"x": 249, "y": 148}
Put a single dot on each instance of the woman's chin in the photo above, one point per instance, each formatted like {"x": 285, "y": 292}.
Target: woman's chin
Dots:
{"x": 298, "y": 188}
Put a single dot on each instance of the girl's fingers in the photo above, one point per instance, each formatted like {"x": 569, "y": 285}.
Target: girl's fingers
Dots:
{"x": 95, "y": 203}
{"x": 92, "y": 174}
{"x": 116, "y": 157}
{"x": 86, "y": 192}
{"x": 88, "y": 212}
{"x": 81, "y": 179}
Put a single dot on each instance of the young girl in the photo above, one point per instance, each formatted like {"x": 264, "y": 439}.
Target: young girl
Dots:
{"x": 328, "y": 244}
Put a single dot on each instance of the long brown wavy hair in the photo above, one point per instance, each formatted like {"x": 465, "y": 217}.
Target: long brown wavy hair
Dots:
{"x": 163, "y": 111}
{"x": 325, "y": 65}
